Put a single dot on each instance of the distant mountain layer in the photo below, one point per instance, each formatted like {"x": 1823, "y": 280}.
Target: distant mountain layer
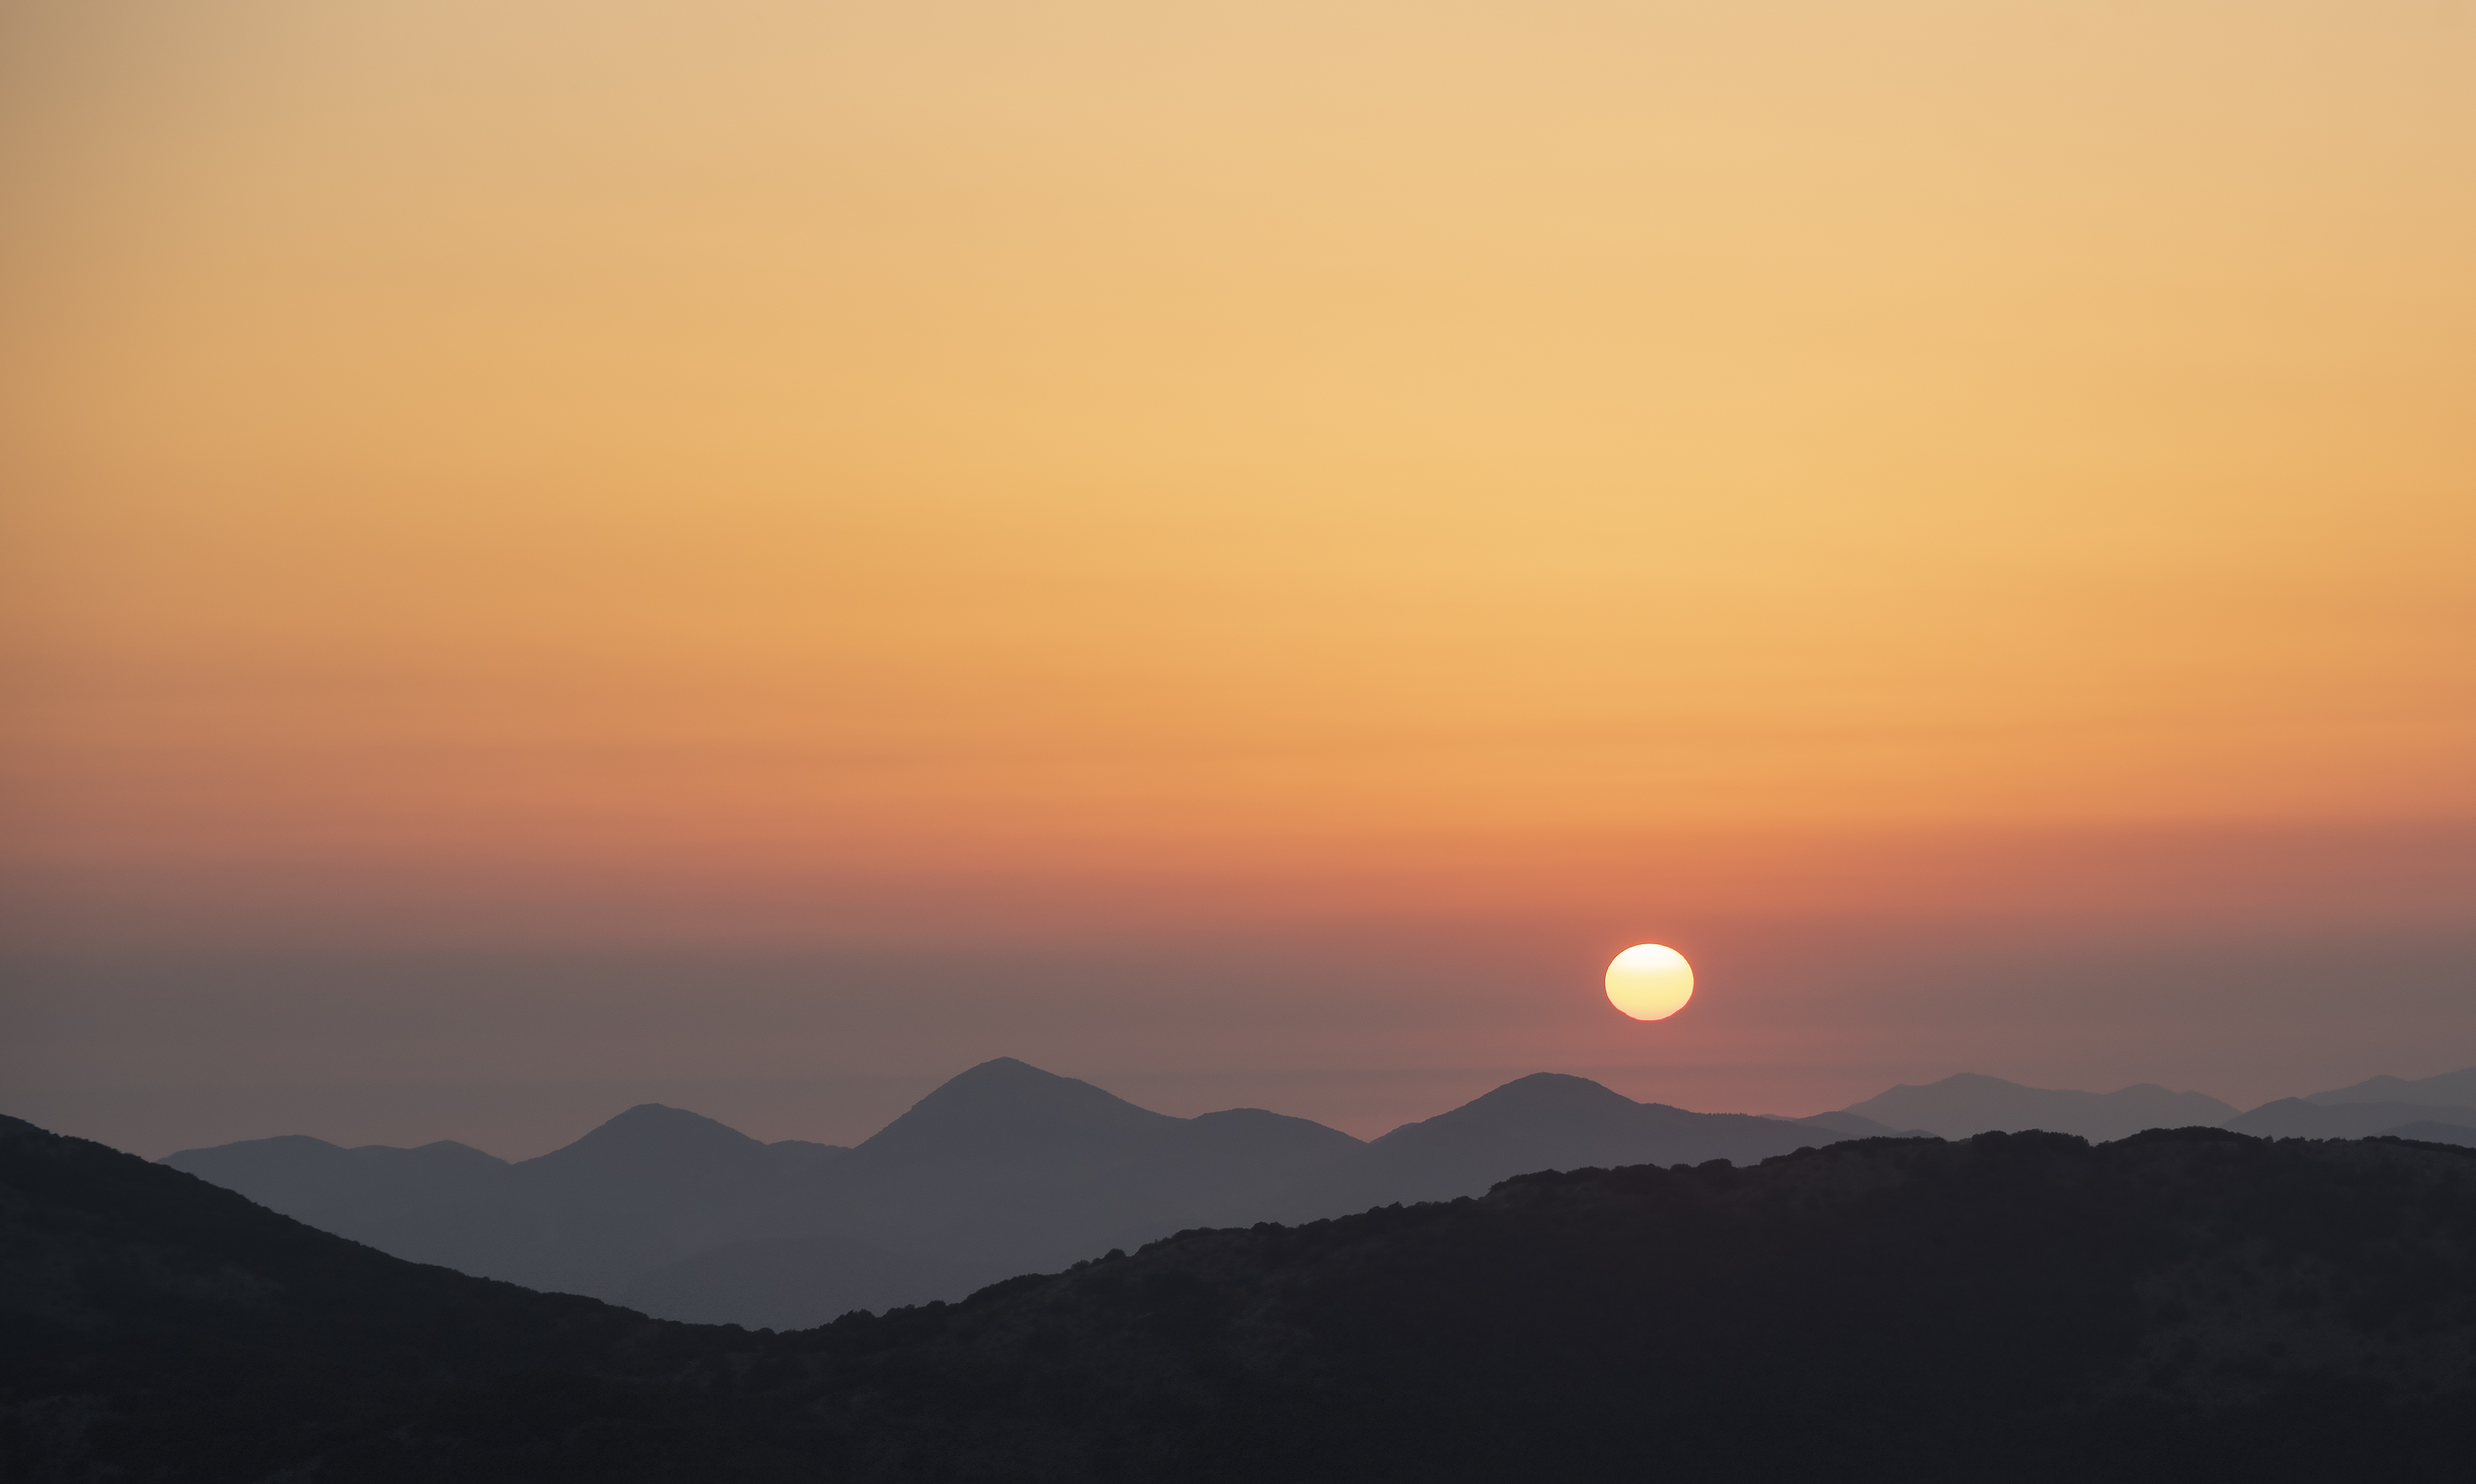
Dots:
{"x": 1546, "y": 1121}
{"x": 2450, "y": 1090}
{"x": 1852, "y": 1125}
{"x": 2297, "y": 1118}
{"x": 1958, "y": 1106}
{"x": 2436, "y": 1134}
{"x": 791, "y": 1282}
{"x": 2018, "y": 1307}
{"x": 1006, "y": 1168}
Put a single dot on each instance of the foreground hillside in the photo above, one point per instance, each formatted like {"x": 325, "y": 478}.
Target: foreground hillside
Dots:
{"x": 153, "y": 1326}
{"x": 2193, "y": 1305}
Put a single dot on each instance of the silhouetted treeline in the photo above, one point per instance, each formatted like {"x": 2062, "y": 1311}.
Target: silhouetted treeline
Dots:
{"x": 2190, "y": 1305}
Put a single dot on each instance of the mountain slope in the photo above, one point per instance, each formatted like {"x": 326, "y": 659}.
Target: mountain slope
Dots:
{"x": 2296, "y": 1118}
{"x": 1008, "y": 1168}
{"x": 649, "y": 1187}
{"x": 2450, "y": 1090}
{"x": 2436, "y": 1134}
{"x": 1005, "y": 1112}
{"x": 1546, "y": 1121}
{"x": 793, "y": 1282}
{"x": 1851, "y": 1126}
{"x": 1003, "y": 1169}
{"x": 2025, "y": 1307}
{"x": 156, "y": 1326}
{"x": 2183, "y": 1305}
{"x": 365, "y": 1193}
{"x": 1969, "y": 1103}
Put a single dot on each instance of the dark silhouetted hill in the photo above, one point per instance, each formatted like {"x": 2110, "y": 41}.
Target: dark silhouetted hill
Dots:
{"x": 1969, "y": 1103}
{"x": 154, "y": 1327}
{"x": 2188, "y": 1305}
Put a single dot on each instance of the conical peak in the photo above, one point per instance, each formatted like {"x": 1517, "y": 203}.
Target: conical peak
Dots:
{"x": 658, "y": 1115}
{"x": 1002, "y": 1071}
{"x": 650, "y": 1132}
{"x": 1005, "y": 1108}
{"x": 1960, "y": 1079}
{"x": 1549, "y": 1090}
{"x": 1013, "y": 1086}
{"x": 1552, "y": 1096}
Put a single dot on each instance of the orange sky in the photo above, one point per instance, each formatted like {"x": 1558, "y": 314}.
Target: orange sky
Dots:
{"x": 766, "y": 473}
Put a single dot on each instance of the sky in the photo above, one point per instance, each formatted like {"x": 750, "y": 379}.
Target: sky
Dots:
{"x": 754, "y": 555}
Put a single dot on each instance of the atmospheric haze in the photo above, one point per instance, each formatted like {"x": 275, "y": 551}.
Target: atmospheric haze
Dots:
{"x": 749, "y": 554}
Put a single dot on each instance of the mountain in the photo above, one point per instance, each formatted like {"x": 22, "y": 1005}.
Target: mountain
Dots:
{"x": 2434, "y": 1133}
{"x": 792, "y": 1282}
{"x": 156, "y": 1326}
{"x": 1546, "y": 1121}
{"x": 1967, "y": 1103}
{"x": 1850, "y": 1126}
{"x": 650, "y": 1187}
{"x": 2296, "y": 1118}
{"x": 1005, "y": 1169}
{"x": 2177, "y": 1305}
{"x": 2450, "y": 1090}
{"x": 1007, "y": 1113}
{"x": 358, "y": 1193}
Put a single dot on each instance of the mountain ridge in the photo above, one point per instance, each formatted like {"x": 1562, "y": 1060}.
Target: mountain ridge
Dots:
{"x": 2448, "y": 1089}
{"x": 2297, "y": 1118}
{"x": 1002, "y": 1169}
{"x": 1970, "y": 1102}
{"x": 1006, "y": 1168}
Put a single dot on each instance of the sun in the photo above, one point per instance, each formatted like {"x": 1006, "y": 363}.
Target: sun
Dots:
{"x": 1649, "y": 982}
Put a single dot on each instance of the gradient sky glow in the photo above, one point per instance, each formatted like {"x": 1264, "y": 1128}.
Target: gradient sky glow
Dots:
{"x": 748, "y": 543}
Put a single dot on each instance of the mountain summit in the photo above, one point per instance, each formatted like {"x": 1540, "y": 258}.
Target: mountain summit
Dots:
{"x": 651, "y": 1139}
{"x": 1005, "y": 1111}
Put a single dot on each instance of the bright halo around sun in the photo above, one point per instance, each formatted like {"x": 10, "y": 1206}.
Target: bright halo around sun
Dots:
{"x": 1649, "y": 982}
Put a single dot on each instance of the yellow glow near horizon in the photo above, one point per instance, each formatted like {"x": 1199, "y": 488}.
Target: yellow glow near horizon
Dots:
{"x": 705, "y": 464}
{"x": 1649, "y": 982}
